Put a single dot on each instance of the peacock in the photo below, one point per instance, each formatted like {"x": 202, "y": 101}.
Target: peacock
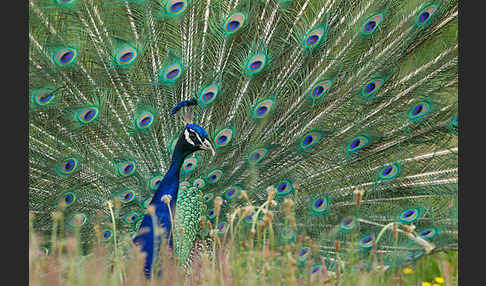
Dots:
{"x": 172, "y": 114}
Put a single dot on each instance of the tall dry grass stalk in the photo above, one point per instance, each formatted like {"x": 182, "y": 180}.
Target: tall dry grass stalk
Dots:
{"x": 244, "y": 254}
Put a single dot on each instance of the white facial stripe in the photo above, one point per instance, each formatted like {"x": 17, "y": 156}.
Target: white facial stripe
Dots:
{"x": 188, "y": 138}
{"x": 197, "y": 135}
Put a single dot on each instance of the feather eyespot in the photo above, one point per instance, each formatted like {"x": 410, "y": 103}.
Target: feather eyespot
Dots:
{"x": 320, "y": 89}
{"x": 284, "y": 188}
{"x": 131, "y": 217}
{"x": 310, "y": 140}
{"x": 222, "y": 228}
{"x": 199, "y": 183}
{"x": 68, "y": 166}
{"x": 424, "y": 16}
{"x": 127, "y": 196}
{"x": 320, "y": 205}
{"x": 176, "y": 7}
{"x": 78, "y": 220}
{"x": 314, "y": 38}
{"x": 190, "y": 164}
{"x": 126, "y": 169}
{"x": 87, "y": 115}
{"x": 107, "y": 234}
{"x": 154, "y": 183}
{"x": 67, "y": 199}
{"x": 214, "y": 176}
{"x": 145, "y": 120}
{"x": 223, "y": 138}
{"x": 209, "y": 94}
{"x": 256, "y": 64}
{"x": 371, "y": 88}
{"x": 419, "y": 111}
{"x": 304, "y": 253}
{"x": 429, "y": 233}
{"x": 44, "y": 96}
{"x": 348, "y": 224}
{"x": 389, "y": 172}
{"x": 146, "y": 203}
{"x": 410, "y": 215}
{"x": 357, "y": 143}
{"x": 208, "y": 197}
{"x": 371, "y": 24}
{"x": 367, "y": 242}
{"x": 211, "y": 214}
{"x": 256, "y": 156}
{"x": 234, "y": 23}
{"x": 262, "y": 109}
{"x": 232, "y": 192}
{"x": 315, "y": 268}
{"x": 65, "y": 56}
{"x": 125, "y": 56}
{"x": 172, "y": 73}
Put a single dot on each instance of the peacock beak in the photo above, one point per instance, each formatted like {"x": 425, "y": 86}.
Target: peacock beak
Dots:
{"x": 206, "y": 145}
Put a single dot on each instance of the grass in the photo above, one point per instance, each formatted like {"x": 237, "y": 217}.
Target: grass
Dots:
{"x": 233, "y": 258}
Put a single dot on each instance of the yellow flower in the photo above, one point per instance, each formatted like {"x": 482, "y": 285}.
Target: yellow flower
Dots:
{"x": 439, "y": 280}
{"x": 435, "y": 284}
{"x": 407, "y": 270}
{"x": 426, "y": 284}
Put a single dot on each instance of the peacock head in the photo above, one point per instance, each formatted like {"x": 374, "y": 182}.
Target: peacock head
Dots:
{"x": 195, "y": 138}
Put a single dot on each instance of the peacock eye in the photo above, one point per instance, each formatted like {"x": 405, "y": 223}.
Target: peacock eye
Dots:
{"x": 87, "y": 115}
{"x": 419, "y": 111}
{"x": 367, "y": 242}
{"x": 315, "y": 268}
{"x": 234, "y": 23}
{"x": 223, "y": 138}
{"x": 67, "y": 199}
{"x": 389, "y": 172}
{"x": 256, "y": 64}
{"x": 214, "y": 176}
{"x": 126, "y": 169}
{"x": 65, "y": 56}
{"x": 262, "y": 109}
{"x": 357, "y": 143}
{"x": 131, "y": 218}
{"x": 125, "y": 56}
{"x": 176, "y": 7}
{"x": 190, "y": 164}
{"x": 410, "y": 215}
{"x": 320, "y": 205}
{"x": 424, "y": 16}
{"x": 126, "y": 196}
{"x": 320, "y": 89}
{"x": 371, "y": 24}
{"x": 209, "y": 94}
{"x": 284, "y": 188}
{"x": 257, "y": 156}
{"x": 211, "y": 214}
{"x": 371, "y": 88}
{"x": 208, "y": 197}
{"x": 43, "y": 97}
{"x": 232, "y": 192}
{"x": 144, "y": 120}
{"x": 348, "y": 224}
{"x": 314, "y": 38}
{"x": 68, "y": 166}
{"x": 199, "y": 183}
{"x": 429, "y": 233}
{"x": 171, "y": 73}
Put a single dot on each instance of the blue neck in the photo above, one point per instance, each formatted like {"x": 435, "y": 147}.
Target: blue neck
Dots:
{"x": 170, "y": 184}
